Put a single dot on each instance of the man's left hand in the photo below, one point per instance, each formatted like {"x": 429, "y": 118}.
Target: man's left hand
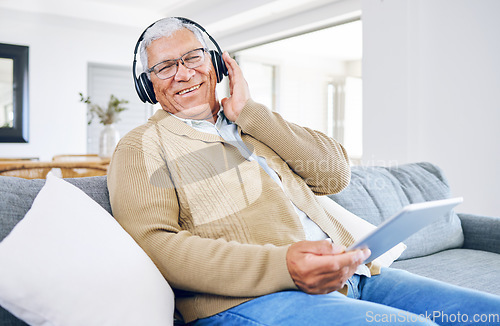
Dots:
{"x": 238, "y": 89}
{"x": 318, "y": 267}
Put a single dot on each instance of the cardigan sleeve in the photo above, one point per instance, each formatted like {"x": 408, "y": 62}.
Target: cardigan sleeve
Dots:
{"x": 318, "y": 159}
{"x": 144, "y": 202}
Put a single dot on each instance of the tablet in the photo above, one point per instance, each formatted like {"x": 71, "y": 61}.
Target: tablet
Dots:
{"x": 406, "y": 222}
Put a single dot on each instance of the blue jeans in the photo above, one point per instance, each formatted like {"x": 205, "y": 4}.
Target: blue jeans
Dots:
{"x": 394, "y": 297}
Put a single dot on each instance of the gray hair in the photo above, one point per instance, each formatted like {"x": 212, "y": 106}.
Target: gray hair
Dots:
{"x": 162, "y": 28}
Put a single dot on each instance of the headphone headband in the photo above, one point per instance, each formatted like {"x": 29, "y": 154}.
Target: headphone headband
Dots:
{"x": 143, "y": 85}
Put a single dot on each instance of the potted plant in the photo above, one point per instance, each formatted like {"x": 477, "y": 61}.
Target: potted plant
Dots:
{"x": 107, "y": 116}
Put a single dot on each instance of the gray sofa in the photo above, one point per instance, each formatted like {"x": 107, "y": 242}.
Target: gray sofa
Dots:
{"x": 462, "y": 249}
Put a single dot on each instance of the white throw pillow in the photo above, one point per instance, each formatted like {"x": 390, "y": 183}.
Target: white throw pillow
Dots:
{"x": 68, "y": 262}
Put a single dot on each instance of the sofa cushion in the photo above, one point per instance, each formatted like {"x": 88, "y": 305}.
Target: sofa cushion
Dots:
{"x": 68, "y": 259}
{"x": 8, "y": 319}
{"x": 377, "y": 193}
{"x": 454, "y": 266}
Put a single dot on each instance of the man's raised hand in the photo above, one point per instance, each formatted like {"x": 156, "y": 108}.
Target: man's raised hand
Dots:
{"x": 238, "y": 88}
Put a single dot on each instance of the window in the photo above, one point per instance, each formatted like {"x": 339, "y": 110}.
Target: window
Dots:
{"x": 313, "y": 79}
{"x": 261, "y": 79}
{"x": 345, "y": 115}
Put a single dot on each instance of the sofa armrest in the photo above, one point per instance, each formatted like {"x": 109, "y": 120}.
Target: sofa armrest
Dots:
{"x": 481, "y": 232}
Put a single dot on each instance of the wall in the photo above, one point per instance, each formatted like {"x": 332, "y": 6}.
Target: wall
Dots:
{"x": 60, "y": 49}
{"x": 431, "y": 79}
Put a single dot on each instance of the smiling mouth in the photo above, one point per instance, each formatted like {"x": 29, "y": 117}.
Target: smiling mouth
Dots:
{"x": 189, "y": 90}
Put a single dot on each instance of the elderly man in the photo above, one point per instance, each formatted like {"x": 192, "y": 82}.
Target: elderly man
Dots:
{"x": 222, "y": 198}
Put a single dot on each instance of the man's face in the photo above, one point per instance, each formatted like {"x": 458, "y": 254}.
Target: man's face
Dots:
{"x": 190, "y": 93}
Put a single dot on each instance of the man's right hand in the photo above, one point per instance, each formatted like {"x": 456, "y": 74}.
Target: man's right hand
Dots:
{"x": 318, "y": 267}
{"x": 238, "y": 89}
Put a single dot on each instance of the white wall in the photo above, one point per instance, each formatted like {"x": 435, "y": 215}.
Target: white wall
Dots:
{"x": 60, "y": 49}
{"x": 431, "y": 91}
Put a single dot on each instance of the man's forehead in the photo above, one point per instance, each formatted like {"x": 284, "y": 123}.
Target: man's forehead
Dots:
{"x": 174, "y": 45}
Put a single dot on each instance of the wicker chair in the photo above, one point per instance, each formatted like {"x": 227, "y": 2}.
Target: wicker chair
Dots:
{"x": 76, "y": 157}
{"x": 39, "y": 170}
{"x": 10, "y": 159}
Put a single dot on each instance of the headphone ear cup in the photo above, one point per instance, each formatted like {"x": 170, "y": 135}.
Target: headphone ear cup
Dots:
{"x": 219, "y": 65}
{"x": 139, "y": 89}
{"x": 145, "y": 89}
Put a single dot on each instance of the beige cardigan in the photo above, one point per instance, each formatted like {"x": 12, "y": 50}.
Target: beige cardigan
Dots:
{"x": 216, "y": 225}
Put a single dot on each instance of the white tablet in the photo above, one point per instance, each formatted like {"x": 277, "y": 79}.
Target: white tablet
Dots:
{"x": 398, "y": 228}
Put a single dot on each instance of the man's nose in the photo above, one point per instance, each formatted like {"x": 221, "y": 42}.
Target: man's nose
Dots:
{"x": 183, "y": 73}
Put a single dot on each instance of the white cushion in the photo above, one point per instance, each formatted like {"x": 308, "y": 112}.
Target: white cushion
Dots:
{"x": 68, "y": 262}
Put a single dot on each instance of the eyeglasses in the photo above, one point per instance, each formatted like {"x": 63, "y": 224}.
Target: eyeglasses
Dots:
{"x": 168, "y": 68}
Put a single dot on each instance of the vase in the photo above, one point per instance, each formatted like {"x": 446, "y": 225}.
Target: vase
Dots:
{"x": 108, "y": 139}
